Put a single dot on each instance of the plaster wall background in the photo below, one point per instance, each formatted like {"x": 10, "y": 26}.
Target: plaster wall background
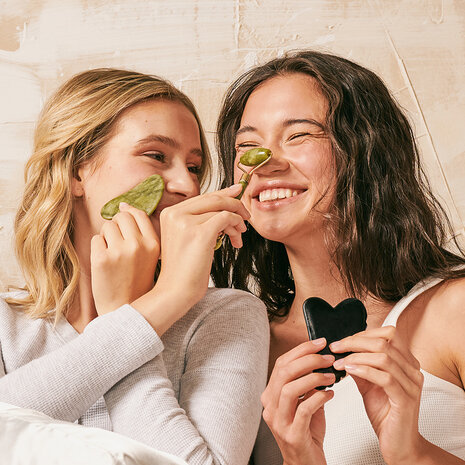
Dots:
{"x": 417, "y": 46}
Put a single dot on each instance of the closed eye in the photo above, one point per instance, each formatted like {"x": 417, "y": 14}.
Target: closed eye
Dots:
{"x": 246, "y": 146}
{"x": 194, "y": 169}
{"x": 309, "y": 134}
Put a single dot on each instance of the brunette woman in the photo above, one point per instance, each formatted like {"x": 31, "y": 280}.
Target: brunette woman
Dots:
{"x": 343, "y": 210}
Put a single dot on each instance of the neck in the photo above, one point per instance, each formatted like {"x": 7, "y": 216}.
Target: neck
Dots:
{"x": 82, "y": 310}
{"x": 315, "y": 275}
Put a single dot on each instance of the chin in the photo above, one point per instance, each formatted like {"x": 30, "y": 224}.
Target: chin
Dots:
{"x": 274, "y": 232}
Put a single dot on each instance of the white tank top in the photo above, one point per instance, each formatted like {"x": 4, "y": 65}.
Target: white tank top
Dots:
{"x": 350, "y": 439}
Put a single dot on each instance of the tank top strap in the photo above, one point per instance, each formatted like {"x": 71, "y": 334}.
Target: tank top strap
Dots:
{"x": 402, "y": 304}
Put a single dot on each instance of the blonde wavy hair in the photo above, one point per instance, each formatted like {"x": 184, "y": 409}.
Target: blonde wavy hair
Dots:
{"x": 73, "y": 125}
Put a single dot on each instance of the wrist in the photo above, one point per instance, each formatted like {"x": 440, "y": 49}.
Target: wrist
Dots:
{"x": 161, "y": 308}
{"x": 419, "y": 455}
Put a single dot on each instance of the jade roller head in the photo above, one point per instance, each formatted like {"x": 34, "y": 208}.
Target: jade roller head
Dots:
{"x": 256, "y": 158}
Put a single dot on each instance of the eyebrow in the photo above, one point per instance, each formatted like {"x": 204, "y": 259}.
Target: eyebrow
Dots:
{"x": 290, "y": 122}
{"x": 286, "y": 123}
{"x": 168, "y": 141}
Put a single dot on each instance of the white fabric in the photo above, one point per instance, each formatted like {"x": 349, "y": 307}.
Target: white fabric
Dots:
{"x": 28, "y": 437}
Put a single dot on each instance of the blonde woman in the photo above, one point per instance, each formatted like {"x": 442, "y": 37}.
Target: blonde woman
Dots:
{"x": 94, "y": 338}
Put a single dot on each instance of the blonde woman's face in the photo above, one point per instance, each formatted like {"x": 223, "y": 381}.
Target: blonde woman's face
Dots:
{"x": 287, "y": 196}
{"x": 153, "y": 137}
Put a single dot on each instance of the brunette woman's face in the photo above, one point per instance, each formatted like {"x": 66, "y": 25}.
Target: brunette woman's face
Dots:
{"x": 152, "y": 137}
{"x": 288, "y": 195}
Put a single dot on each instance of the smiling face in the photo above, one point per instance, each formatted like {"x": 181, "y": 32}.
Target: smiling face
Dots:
{"x": 152, "y": 137}
{"x": 288, "y": 196}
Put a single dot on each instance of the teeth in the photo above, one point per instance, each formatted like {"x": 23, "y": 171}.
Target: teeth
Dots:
{"x": 274, "y": 194}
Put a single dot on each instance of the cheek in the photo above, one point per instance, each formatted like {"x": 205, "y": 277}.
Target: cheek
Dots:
{"x": 237, "y": 174}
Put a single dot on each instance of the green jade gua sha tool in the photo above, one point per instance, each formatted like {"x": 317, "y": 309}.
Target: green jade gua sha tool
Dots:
{"x": 255, "y": 157}
{"x": 145, "y": 196}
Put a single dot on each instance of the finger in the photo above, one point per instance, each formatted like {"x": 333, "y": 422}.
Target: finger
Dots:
{"x": 98, "y": 247}
{"x": 284, "y": 373}
{"x": 111, "y": 233}
{"x": 384, "y": 380}
{"x": 306, "y": 409}
{"x": 235, "y": 236}
{"x": 224, "y": 221}
{"x": 301, "y": 366}
{"x": 280, "y": 374}
{"x": 213, "y": 201}
{"x": 375, "y": 340}
{"x": 409, "y": 378}
{"x": 142, "y": 220}
{"x": 403, "y": 357}
{"x": 305, "y": 348}
{"x": 290, "y": 393}
{"x": 389, "y": 353}
{"x": 127, "y": 225}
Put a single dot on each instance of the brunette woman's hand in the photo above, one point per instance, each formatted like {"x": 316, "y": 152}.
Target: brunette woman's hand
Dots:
{"x": 123, "y": 259}
{"x": 188, "y": 232}
{"x": 389, "y": 379}
{"x": 293, "y": 408}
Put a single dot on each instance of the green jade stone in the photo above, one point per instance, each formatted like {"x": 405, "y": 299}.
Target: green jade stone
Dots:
{"x": 254, "y": 157}
{"x": 145, "y": 196}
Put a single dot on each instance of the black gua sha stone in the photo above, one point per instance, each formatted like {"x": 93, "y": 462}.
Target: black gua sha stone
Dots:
{"x": 322, "y": 320}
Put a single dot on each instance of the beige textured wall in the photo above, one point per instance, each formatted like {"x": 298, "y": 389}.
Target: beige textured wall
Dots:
{"x": 418, "y": 46}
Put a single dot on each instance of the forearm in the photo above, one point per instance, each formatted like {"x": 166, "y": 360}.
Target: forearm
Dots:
{"x": 66, "y": 382}
{"x": 213, "y": 414}
{"x": 143, "y": 406}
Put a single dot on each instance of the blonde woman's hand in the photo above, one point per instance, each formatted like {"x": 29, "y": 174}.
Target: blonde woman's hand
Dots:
{"x": 293, "y": 408}
{"x": 188, "y": 232}
{"x": 389, "y": 379}
{"x": 123, "y": 259}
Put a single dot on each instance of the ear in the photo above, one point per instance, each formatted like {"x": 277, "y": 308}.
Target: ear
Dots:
{"x": 77, "y": 189}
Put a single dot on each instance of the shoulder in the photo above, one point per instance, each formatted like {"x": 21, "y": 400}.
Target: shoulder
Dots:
{"x": 448, "y": 298}
{"x": 8, "y": 313}
{"x": 447, "y": 315}
{"x": 225, "y": 311}
{"x": 14, "y": 322}
{"x": 233, "y": 305}
{"x": 232, "y": 299}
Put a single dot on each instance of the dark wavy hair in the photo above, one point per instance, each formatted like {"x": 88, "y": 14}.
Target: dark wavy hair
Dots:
{"x": 386, "y": 231}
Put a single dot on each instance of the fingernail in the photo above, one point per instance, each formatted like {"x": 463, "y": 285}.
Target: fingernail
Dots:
{"x": 123, "y": 205}
{"x": 352, "y": 368}
{"x": 339, "y": 364}
{"x": 335, "y": 345}
{"x": 329, "y": 376}
{"x": 328, "y": 357}
{"x": 235, "y": 188}
{"x": 319, "y": 342}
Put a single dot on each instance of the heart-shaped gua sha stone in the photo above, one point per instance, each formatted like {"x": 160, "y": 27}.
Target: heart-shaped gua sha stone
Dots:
{"x": 322, "y": 320}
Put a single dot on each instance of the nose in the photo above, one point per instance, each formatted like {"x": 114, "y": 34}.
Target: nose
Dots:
{"x": 179, "y": 180}
{"x": 278, "y": 162}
